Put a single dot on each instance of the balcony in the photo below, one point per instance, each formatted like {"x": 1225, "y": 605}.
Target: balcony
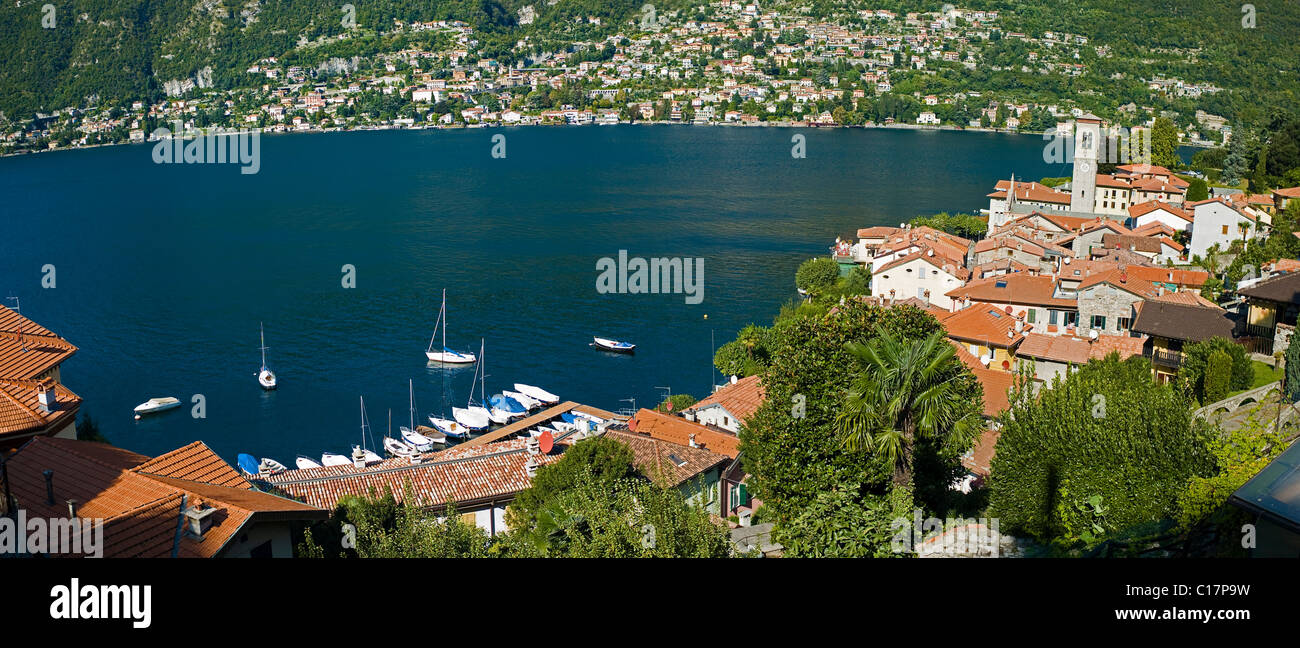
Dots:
{"x": 1161, "y": 356}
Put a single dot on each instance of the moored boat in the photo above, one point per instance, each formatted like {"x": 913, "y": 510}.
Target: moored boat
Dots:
{"x": 538, "y": 393}
{"x": 154, "y": 405}
{"x": 305, "y": 463}
{"x": 446, "y": 356}
{"x": 614, "y": 346}
{"x": 334, "y": 459}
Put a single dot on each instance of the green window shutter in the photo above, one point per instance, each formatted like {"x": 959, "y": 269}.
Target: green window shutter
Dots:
{"x": 1032, "y": 315}
{"x": 742, "y": 498}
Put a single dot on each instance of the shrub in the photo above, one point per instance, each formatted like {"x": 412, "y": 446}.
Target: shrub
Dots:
{"x": 1107, "y": 430}
{"x": 815, "y": 276}
{"x": 1218, "y": 376}
{"x": 1196, "y": 359}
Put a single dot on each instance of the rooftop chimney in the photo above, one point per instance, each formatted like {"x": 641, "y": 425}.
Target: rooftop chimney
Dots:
{"x": 734, "y": 379}
{"x": 534, "y": 446}
{"x": 198, "y": 519}
{"x": 358, "y": 458}
{"x": 692, "y": 442}
{"x": 45, "y": 397}
{"x": 531, "y": 466}
{"x": 49, "y": 486}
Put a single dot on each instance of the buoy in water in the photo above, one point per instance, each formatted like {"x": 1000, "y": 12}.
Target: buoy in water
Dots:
{"x": 137, "y": 417}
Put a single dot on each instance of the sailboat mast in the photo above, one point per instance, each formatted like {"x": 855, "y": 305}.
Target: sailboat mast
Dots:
{"x": 262, "y": 328}
{"x": 411, "y": 384}
{"x": 443, "y": 317}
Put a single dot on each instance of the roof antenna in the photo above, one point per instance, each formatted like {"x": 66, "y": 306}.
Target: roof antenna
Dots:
{"x": 22, "y": 341}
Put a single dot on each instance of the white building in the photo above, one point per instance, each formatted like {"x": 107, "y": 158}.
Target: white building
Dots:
{"x": 927, "y": 117}
{"x": 924, "y": 275}
{"x": 1217, "y": 221}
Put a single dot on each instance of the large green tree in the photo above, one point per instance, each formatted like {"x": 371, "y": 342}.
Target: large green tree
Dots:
{"x": 790, "y": 446}
{"x": 1164, "y": 143}
{"x": 903, "y": 391}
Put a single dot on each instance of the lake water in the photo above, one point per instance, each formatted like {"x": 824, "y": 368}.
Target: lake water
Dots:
{"x": 163, "y": 272}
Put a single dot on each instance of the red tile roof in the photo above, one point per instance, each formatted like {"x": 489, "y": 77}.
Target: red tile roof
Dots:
{"x": 1125, "y": 345}
{"x": 675, "y": 429}
{"x": 740, "y": 399}
{"x": 1017, "y": 288}
{"x": 460, "y": 475}
{"x": 141, "y": 511}
{"x": 1142, "y": 209}
{"x": 984, "y": 324}
{"x": 1031, "y": 192}
{"x": 1056, "y": 348}
{"x": 667, "y": 463}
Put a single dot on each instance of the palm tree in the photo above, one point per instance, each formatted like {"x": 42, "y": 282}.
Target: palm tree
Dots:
{"x": 904, "y": 391}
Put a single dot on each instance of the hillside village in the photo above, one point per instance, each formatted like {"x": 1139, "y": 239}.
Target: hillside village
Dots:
{"x": 1099, "y": 265}
{"x": 731, "y": 62}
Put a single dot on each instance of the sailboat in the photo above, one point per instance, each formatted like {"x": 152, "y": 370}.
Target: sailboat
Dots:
{"x": 366, "y": 455}
{"x": 413, "y": 438}
{"x": 396, "y": 447}
{"x": 473, "y": 416}
{"x": 445, "y": 355}
{"x": 527, "y": 401}
{"x": 506, "y": 406}
{"x": 265, "y": 377}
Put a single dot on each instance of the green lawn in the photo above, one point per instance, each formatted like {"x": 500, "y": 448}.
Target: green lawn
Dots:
{"x": 1265, "y": 374}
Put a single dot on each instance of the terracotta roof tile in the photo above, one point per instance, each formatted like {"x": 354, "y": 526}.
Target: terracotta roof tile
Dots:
{"x": 740, "y": 399}
{"x": 665, "y": 462}
{"x": 675, "y": 429}
{"x": 1056, "y": 348}
{"x": 985, "y": 324}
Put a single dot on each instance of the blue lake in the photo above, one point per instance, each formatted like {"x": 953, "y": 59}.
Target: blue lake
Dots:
{"x": 163, "y": 272}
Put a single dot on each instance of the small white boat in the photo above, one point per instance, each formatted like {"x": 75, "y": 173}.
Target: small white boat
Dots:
{"x": 271, "y": 466}
{"x": 265, "y": 377}
{"x": 615, "y": 346}
{"x": 431, "y": 434}
{"x": 562, "y": 426}
{"x": 305, "y": 463}
{"x": 446, "y": 356}
{"x": 398, "y": 448}
{"x": 537, "y": 393}
{"x": 449, "y": 427}
{"x": 523, "y": 399}
{"x": 157, "y": 405}
{"x": 334, "y": 459}
{"x": 473, "y": 418}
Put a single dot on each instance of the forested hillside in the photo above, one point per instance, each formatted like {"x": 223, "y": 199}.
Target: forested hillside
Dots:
{"x": 114, "y": 51}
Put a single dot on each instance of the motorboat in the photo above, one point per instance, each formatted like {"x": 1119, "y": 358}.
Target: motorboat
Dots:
{"x": 252, "y": 467}
{"x": 446, "y": 356}
{"x": 472, "y": 418}
{"x": 334, "y": 459}
{"x": 305, "y": 463}
{"x": 615, "y": 346}
{"x": 538, "y": 393}
{"x": 155, "y": 405}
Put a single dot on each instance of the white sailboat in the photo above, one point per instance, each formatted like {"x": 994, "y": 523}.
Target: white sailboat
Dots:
{"x": 265, "y": 377}
{"x": 396, "y": 447}
{"x": 446, "y": 355}
{"x": 473, "y": 416}
{"x": 361, "y": 452}
{"x": 409, "y": 435}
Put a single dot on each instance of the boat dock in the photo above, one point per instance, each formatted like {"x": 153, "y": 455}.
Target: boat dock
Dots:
{"x": 538, "y": 419}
